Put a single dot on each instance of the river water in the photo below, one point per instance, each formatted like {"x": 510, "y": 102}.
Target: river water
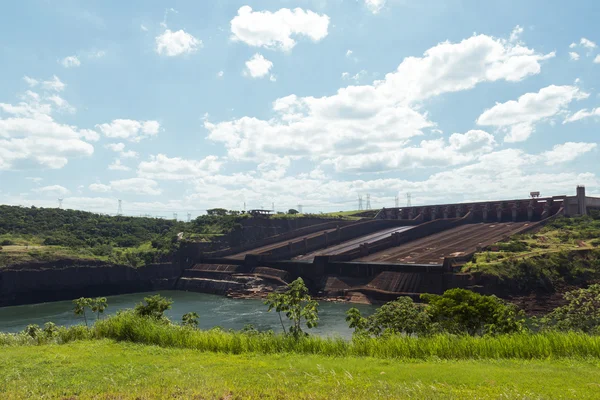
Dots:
{"x": 213, "y": 311}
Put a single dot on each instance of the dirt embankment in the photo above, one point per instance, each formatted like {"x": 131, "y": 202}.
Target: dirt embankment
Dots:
{"x": 68, "y": 279}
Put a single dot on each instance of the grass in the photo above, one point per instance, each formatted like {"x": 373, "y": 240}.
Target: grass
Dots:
{"x": 109, "y": 370}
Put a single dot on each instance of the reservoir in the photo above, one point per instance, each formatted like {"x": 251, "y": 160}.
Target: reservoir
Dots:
{"x": 213, "y": 310}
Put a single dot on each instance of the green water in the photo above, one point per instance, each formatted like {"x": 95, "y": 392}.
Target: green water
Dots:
{"x": 213, "y": 310}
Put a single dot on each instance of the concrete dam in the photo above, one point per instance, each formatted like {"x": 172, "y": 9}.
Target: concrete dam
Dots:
{"x": 402, "y": 251}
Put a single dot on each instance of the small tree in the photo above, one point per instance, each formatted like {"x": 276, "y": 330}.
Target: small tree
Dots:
{"x": 190, "y": 319}
{"x": 154, "y": 308}
{"x": 98, "y": 305}
{"x": 463, "y": 311}
{"x": 581, "y": 313}
{"x": 80, "y": 305}
{"x": 292, "y": 211}
{"x": 297, "y": 305}
{"x": 396, "y": 317}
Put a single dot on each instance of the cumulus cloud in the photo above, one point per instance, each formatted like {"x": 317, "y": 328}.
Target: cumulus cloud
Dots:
{"x": 597, "y": 59}
{"x": 54, "y": 84}
{"x": 118, "y": 166}
{"x": 163, "y": 167}
{"x": 129, "y": 129}
{"x": 120, "y": 148}
{"x": 177, "y": 43}
{"x": 99, "y": 187}
{"x": 588, "y": 44}
{"x": 516, "y": 33}
{"x": 31, "y": 137}
{"x": 375, "y": 6}
{"x": 582, "y": 114}
{"x": 136, "y": 186}
{"x": 369, "y": 120}
{"x": 274, "y": 30}
{"x": 70, "y": 62}
{"x": 565, "y": 152}
{"x": 53, "y": 190}
{"x": 258, "y": 66}
{"x": 518, "y": 117}
{"x": 573, "y": 56}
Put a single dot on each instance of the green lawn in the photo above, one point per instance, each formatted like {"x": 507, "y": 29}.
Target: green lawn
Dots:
{"x": 109, "y": 370}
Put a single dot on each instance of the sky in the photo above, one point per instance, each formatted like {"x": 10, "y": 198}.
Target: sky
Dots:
{"x": 181, "y": 106}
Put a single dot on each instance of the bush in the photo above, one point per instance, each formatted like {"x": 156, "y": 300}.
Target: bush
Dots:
{"x": 460, "y": 311}
{"x": 581, "y": 313}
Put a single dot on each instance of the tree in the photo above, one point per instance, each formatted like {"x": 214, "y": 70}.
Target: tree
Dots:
{"x": 98, "y": 305}
{"x": 292, "y": 211}
{"x": 463, "y": 311}
{"x": 297, "y": 305}
{"x": 80, "y": 305}
{"x": 154, "y": 308}
{"x": 220, "y": 212}
{"x": 190, "y": 319}
{"x": 581, "y": 313}
{"x": 401, "y": 316}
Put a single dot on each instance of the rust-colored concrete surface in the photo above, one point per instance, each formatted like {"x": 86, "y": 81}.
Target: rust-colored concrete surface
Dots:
{"x": 451, "y": 243}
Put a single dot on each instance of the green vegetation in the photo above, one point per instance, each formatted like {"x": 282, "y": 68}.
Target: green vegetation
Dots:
{"x": 108, "y": 370}
{"x": 565, "y": 252}
{"x": 297, "y": 305}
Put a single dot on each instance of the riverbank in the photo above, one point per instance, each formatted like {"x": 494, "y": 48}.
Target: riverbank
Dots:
{"x": 106, "y": 370}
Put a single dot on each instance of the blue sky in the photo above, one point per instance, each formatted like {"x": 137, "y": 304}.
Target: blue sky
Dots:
{"x": 179, "y": 106}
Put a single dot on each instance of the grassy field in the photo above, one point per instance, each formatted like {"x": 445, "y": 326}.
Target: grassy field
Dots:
{"x": 109, "y": 370}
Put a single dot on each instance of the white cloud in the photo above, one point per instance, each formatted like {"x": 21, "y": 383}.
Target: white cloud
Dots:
{"x": 518, "y": 118}
{"x": 369, "y": 120}
{"x": 349, "y": 53}
{"x": 375, "y": 6}
{"x": 573, "y": 56}
{"x": 177, "y": 43}
{"x": 117, "y": 166}
{"x": 567, "y": 152}
{"x": 62, "y": 104}
{"x": 274, "y": 30}
{"x": 143, "y": 28}
{"x": 54, "y": 84}
{"x": 53, "y": 190}
{"x": 163, "y": 167}
{"x": 100, "y": 188}
{"x": 516, "y": 33}
{"x": 582, "y": 114}
{"x": 356, "y": 77}
{"x": 89, "y": 135}
{"x": 136, "y": 186}
{"x": 116, "y": 147}
{"x": 129, "y": 129}
{"x": 97, "y": 54}
{"x": 34, "y": 179}
{"x": 597, "y": 59}
{"x": 258, "y": 66}
{"x": 573, "y": 45}
{"x": 30, "y": 136}
{"x": 274, "y": 168}
{"x": 588, "y": 44}
{"x": 220, "y": 74}
{"x": 30, "y": 81}
{"x": 70, "y": 62}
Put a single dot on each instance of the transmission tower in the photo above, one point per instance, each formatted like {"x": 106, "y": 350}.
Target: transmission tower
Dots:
{"x": 244, "y": 207}
{"x": 360, "y": 203}
{"x": 273, "y": 207}
{"x": 60, "y": 203}
{"x": 368, "y": 201}
{"x": 175, "y": 216}
{"x": 120, "y": 209}
{"x": 397, "y": 201}
{"x": 300, "y": 208}
{"x": 189, "y": 217}
{"x": 408, "y": 197}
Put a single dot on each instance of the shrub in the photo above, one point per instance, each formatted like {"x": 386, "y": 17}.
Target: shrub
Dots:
{"x": 581, "y": 313}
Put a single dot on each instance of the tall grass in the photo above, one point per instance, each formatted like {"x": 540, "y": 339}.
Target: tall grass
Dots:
{"x": 131, "y": 328}
{"x": 127, "y": 327}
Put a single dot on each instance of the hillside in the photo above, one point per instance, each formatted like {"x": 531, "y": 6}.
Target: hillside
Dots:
{"x": 566, "y": 252}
